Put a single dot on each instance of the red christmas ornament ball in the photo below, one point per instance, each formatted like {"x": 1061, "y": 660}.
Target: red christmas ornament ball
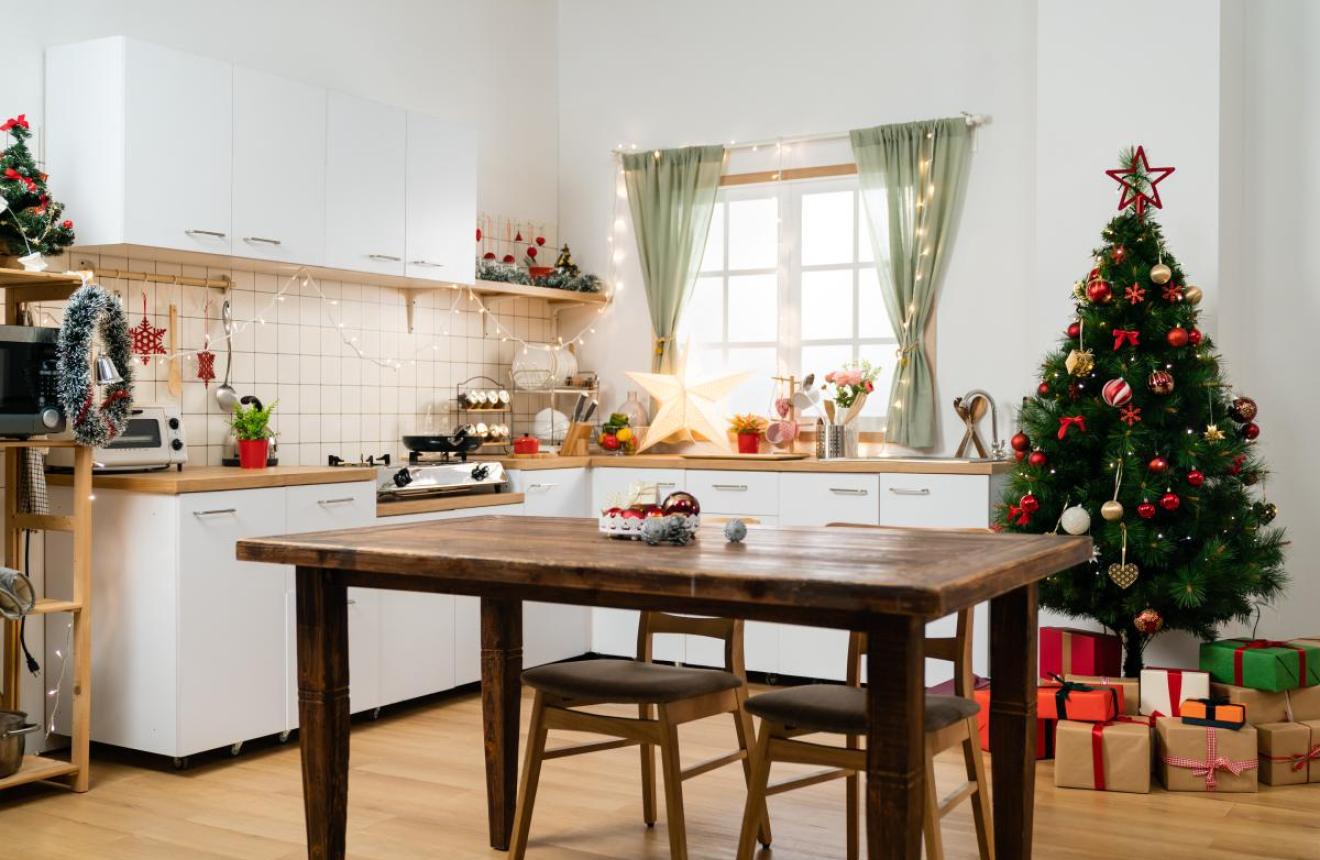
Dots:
{"x": 1238, "y": 461}
{"x": 1019, "y": 455}
{"x": 508, "y": 258}
{"x": 540, "y": 240}
{"x": 1250, "y": 430}
{"x": 1020, "y": 442}
{"x": 1243, "y": 409}
{"x": 1075, "y": 330}
{"x": 1037, "y": 458}
{"x": 531, "y": 251}
{"x": 630, "y": 514}
{"x": 1194, "y": 337}
{"x": 1158, "y": 465}
{"x": 489, "y": 255}
{"x": 1099, "y": 292}
{"x": 1116, "y": 392}
{"x": 1195, "y": 478}
{"x": 1177, "y": 337}
{"x": 478, "y": 234}
{"x": 681, "y": 502}
{"x": 1043, "y": 389}
{"x": 1170, "y": 501}
{"x": 1148, "y": 621}
{"x": 1160, "y": 382}
{"x": 1146, "y": 510}
{"x": 1029, "y": 503}
{"x": 67, "y": 224}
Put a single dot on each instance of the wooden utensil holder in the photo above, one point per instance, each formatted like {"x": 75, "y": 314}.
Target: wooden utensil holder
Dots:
{"x": 575, "y": 440}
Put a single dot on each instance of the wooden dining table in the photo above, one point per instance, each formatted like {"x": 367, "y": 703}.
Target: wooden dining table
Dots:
{"x": 888, "y": 583}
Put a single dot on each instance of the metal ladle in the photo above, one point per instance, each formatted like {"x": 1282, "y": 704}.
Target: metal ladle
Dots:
{"x": 225, "y": 395}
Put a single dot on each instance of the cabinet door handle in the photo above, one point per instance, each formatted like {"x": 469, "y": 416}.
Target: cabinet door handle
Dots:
{"x": 732, "y": 488}
{"x": 659, "y": 484}
{"x": 215, "y": 512}
{"x": 541, "y": 486}
{"x": 346, "y": 500}
{"x": 385, "y": 258}
{"x": 849, "y": 491}
{"x": 351, "y": 602}
{"x": 909, "y": 491}
{"x": 216, "y": 233}
{"x": 427, "y": 263}
{"x": 262, "y": 240}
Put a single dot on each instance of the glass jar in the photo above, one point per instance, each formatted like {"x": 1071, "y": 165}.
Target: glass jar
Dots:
{"x": 632, "y": 407}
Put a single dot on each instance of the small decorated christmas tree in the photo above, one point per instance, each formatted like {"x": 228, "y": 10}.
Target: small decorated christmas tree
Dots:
{"x": 31, "y": 222}
{"x": 1134, "y": 436}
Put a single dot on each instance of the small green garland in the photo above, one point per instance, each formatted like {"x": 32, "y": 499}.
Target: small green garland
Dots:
{"x": 559, "y": 279}
{"x": 93, "y": 309}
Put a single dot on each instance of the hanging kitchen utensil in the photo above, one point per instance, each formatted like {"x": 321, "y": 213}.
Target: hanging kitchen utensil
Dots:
{"x": 225, "y": 395}
{"x": 176, "y": 373}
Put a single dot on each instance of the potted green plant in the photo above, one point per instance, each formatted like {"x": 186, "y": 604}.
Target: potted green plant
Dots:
{"x": 251, "y": 425}
{"x": 748, "y": 429}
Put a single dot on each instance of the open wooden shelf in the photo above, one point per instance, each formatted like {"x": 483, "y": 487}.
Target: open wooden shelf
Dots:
{"x": 49, "y": 606}
{"x": 501, "y": 289}
{"x": 36, "y": 768}
{"x": 20, "y": 278}
{"x": 37, "y": 443}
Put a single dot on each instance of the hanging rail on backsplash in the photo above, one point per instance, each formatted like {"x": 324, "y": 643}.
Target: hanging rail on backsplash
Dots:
{"x": 221, "y": 283}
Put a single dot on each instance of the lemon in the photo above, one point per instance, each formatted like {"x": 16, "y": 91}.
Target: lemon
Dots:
{"x": 624, "y": 434}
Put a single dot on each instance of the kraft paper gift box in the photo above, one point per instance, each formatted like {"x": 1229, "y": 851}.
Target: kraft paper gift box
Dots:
{"x": 1111, "y": 756}
{"x": 1289, "y": 752}
{"x": 1164, "y": 690}
{"x": 1044, "y": 728}
{"x": 1262, "y": 663}
{"x": 1064, "y": 651}
{"x": 1305, "y": 703}
{"x": 1082, "y": 702}
{"x": 1219, "y": 713}
{"x": 1201, "y": 758}
{"x": 1131, "y": 688}
{"x": 1262, "y": 706}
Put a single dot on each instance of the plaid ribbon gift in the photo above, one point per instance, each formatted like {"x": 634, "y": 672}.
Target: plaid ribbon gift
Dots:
{"x": 1213, "y": 763}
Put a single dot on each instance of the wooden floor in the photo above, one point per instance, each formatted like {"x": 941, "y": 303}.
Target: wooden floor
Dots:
{"x": 416, "y": 791}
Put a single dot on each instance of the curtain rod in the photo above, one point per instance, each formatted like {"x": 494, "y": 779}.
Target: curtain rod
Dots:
{"x": 973, "y": 120}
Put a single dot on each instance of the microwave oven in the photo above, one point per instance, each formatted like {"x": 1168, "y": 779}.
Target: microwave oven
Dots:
{"x": 29, "y": 397}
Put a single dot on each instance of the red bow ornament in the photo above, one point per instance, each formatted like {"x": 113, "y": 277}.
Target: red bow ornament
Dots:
{"x": 1066, "y": 421}
{"x": 14, "y": 175}
{"x": 20, "y": 120}
{"x": 1124, "y": 334}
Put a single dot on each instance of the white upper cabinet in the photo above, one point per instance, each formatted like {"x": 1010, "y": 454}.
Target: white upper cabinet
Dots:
{"x": 441, "y": 196}
{"x": 279, "y": 169}
{"x": 364, "y": 161}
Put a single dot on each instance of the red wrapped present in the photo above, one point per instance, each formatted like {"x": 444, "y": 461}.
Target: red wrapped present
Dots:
{"x": 1064, "y": 651}
{"x": 1082, "y": 702}
{"x": 1131, "y": 688}
{"x": 1113, "y": 756}
{"x": 1044, "y": 728}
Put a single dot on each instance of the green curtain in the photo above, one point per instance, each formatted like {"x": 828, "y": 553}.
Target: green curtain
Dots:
{"x": 912, "y": 178}
{"x": 671, "y": 193}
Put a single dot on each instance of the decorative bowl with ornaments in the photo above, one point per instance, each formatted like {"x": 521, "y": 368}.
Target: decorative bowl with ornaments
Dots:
{"x": 637, "y": 516}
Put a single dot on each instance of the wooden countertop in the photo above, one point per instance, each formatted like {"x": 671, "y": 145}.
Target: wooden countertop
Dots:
{"x": 399, "y": 507}
{"x": 204, "y": 479}
{"x": 877, "y": 465}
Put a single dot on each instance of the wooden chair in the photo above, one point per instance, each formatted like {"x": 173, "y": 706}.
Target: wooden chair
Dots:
{"x": 788, "y": 714}
{"x": 666, "y": 697}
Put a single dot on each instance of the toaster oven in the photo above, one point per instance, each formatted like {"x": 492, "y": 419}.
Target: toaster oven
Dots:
{"x": 152, "y": 439}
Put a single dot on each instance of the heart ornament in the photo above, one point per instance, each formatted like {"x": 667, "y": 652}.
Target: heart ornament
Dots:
{"x": 1124, "y": 574}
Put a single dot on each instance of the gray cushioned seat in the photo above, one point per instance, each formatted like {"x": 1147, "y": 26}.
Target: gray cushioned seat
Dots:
{"x": 627, "y": 681}
{"x": 840, "y": 709}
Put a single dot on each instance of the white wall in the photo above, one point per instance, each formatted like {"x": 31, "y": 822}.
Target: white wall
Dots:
{"x": 706, "y": 72}
{"x": 490, "y": 63}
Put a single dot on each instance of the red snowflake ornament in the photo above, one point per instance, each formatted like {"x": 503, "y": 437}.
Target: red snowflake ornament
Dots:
{"x": 206, "y": 366}
{"x": 1130, "y": 415}
{"x": 1135, "y": 294}
{"x": 1172, "y": 293}
{"x": 147, "y": 340}
{"x": 1139, "y": 181}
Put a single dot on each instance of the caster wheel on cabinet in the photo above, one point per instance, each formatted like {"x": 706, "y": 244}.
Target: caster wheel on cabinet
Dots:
{"x": 285, "y": 735}
{"x": 236, "y": 749}
{"x": 182, "y": 762}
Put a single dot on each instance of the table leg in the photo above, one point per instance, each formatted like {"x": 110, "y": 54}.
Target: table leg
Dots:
{"x": 896, "y": 737}
{"x": 1013, "y": 718}
{"x": 323, "y": 709}
{"x": 501, "y": 691}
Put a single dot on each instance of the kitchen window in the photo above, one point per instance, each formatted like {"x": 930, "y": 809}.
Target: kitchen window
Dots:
{"x": 788, "y": 285}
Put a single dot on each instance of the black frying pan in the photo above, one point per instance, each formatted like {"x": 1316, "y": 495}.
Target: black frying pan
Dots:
{"x": 459, "y": 443}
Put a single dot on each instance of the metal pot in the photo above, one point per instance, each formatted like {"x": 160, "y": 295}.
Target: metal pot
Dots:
{"x": 13, "y": 726}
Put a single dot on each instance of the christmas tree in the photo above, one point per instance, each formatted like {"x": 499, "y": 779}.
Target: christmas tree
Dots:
{"x": 1134, "y": 436}
{"x": 30, "y": 222}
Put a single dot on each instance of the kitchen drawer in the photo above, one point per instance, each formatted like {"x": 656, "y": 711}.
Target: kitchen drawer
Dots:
{"x": 608, "y": 482}
{"x": 818, "y": 499}
{"x": 320, "y": 507}
{"x": 935, "y": 501}
{"x": 554, "y": 492}
{"x": 748, "y": 493}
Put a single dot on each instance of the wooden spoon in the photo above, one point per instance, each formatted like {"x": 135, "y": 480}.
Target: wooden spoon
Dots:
{"x": 176, "y": 373}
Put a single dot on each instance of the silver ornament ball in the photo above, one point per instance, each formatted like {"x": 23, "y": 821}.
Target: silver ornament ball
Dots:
{"x": 735, "y": 531}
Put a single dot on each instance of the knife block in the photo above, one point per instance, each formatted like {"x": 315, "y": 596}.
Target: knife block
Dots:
{"x": 576, "y": 439}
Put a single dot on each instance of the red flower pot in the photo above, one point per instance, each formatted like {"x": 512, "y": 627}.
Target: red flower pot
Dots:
{"x": 749, "y": 443}
{"x": 252, "y": 453}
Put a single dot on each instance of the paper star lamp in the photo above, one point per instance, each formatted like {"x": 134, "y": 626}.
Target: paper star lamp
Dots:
{"x": 687, "y": 413}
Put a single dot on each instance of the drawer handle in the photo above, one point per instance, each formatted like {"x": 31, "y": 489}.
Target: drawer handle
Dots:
{"x": 215, "y": 233}
{"x": 427, "y": 263}
{"x": 733, "y": 488}
{"x": 388, "y": 258}
{"x": 351, "y": 602}
{"x": 541, "y": 486}
{"x": 214, "y": 513}
{"x": 849, "y": 491}
{"x": 659, "y": 484}
{"x": 907, "y": 491}
{"x": 262, "y": 240}
{"x": 346, "y": 500}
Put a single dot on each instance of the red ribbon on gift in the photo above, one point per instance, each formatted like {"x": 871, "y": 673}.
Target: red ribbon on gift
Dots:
{"x": 1066, "y": 421}
{"x": 1299, "y": 760}
{"x": 1213, "y": 763}
{"x": 1098, "y": 744}
{"x": 1256, "y": 644}
{"x": 1174, "y": 679}
{"x": 1125, "y": 334}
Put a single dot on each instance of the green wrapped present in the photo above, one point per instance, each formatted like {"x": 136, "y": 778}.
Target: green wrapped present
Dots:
{"x": 1262, "y": 664}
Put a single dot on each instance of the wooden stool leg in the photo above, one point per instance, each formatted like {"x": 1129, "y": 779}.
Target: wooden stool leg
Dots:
{"x": 742, "y": 722}
{"x": 673, "y": 773}
{"x": 981, "y": 809}
{"x": 852, "y": 820}
{"x": 755, "y": 808}
{"x": 648, "y": 772}
{"x": 931, "y": 823}
{"x": 531, "y": 777}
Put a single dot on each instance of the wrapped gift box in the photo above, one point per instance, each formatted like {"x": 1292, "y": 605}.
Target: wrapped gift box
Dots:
{"x": 1163, "y": 690}
{"x": 1064, "y": 651}
{"x": 1262, "y": 706}
{"x": 1044, "y": 728}
{"x": 1201, "y": 758}
{"x": 1112, "y": 756}
{"x": 1261, "y": 663}
{"x": 1219, "y": 713}
{"x": 1289, "y": 752}
{"x": 1305, "y": 703}
{"x": 1131, "y": 688}
{"x": 1070, "y": 701}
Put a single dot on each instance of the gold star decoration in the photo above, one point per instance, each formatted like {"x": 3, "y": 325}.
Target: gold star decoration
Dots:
{"x": 1213, "y": 433}
{"x": 687, "y": 413}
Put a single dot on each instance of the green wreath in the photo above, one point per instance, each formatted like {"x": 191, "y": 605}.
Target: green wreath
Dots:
{"x": 92, "y": 309}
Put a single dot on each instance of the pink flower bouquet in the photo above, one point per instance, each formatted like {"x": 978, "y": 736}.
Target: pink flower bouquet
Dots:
{"x": 854, "y": 380}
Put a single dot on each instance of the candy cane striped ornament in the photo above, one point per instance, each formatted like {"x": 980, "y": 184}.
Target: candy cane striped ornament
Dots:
{"x": 1116, "y": 392}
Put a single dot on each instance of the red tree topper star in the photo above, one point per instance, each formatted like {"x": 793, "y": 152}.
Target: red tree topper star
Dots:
{"x": 1139, "y": 180}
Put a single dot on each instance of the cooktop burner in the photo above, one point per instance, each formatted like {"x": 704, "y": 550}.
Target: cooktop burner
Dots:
{"x": 436, "y": 479}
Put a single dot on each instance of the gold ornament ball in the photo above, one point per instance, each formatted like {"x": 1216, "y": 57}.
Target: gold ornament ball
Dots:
{"x": 1112, "y": 510}
{"x": 1160, "y": 273}
{"x": 1192, "y": 295}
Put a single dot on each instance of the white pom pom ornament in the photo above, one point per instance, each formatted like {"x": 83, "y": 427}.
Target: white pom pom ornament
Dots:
{"x": 1075, "y": 520}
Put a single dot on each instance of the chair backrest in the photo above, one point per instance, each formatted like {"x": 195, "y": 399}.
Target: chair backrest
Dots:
{"x": 956, "y": 649}
{"x": 729, "y": 630}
